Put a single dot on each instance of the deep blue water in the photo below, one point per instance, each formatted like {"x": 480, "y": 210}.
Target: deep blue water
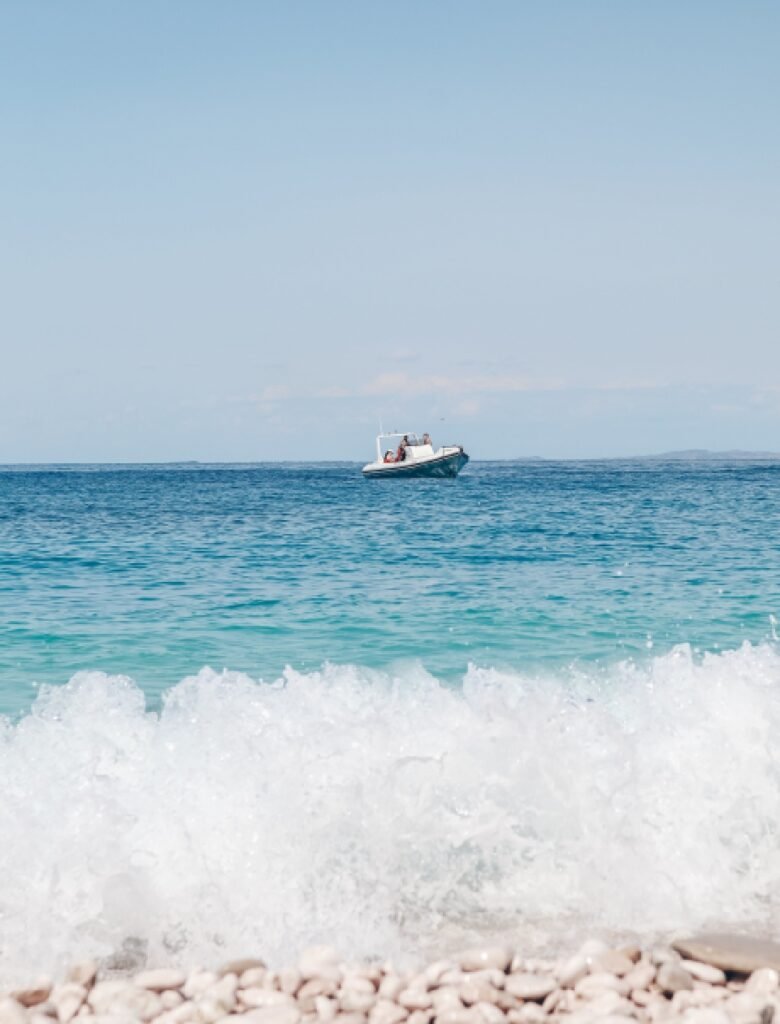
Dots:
{"x": 155, "y": 572}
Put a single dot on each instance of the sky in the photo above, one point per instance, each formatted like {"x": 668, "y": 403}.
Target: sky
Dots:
{"x": 241, "y": 231}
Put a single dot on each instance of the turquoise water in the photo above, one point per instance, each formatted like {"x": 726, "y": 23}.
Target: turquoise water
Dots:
{"x": 156, "y": 572}
{"x": 252, "y": 708}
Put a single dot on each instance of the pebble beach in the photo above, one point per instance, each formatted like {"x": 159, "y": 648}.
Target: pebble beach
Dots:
{"x": 707, "y": 979}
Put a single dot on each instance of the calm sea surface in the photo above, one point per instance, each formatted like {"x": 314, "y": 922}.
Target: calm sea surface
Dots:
{"x": 156, "y": 572}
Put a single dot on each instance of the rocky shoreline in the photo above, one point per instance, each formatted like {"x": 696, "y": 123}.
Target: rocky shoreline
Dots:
{"x": 708, "y": 979}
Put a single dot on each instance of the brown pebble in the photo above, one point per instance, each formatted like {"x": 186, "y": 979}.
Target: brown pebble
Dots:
{"x": 33, "y": 995}
{"x": 240, "y": 966}
{"x": 736, "y": 953}
{"x": 633, "y": 952}
{"x": 83, "y": 973}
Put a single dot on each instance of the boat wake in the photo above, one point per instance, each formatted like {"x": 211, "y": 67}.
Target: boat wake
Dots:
{"x": 387, "y": 813}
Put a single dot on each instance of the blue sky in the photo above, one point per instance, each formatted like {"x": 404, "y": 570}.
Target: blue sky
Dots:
{"x": 241, "y": 231}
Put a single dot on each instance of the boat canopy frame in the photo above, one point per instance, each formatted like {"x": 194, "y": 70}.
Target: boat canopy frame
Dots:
{"x": 394, "y": 433}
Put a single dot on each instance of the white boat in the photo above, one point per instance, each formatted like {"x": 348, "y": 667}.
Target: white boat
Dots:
{"x": 414, "y": 457}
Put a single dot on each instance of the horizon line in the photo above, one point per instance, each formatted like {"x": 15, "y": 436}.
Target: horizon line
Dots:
{"x": 681, "y": 455}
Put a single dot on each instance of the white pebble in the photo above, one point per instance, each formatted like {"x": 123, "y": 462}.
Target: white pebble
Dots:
{"x": 225, "y": 990}
{"x": 642, "y": 976}
{"x": 490, "y": 976}
{"x": 198, "y": 982}
{"x": 497, "y": 957}
{"x": 68, "y": 999}
{"x": 765, "y": 981}
{"x": 592, "y": 948}
{"x": 325, "y": 1008}
{"x": 181, "y": 1014}
{"x": 454, "y": 976}
{"x": 319, "y": 962}
{"x": 385, "y": 1012}
{"x": 12, "y": 1012}
{"x": 209, "y": 1010}
{"x": 595, "y": 985}
{"x": 261, "y": 998}
{"x": 47, "y": 1009}
{"x": 704, "y": 972}
{"x": 434, "y": 971}
{"x": 253, "y": 977}
{"x": 609, "y": 1002}
{"x": 160, "y": 979}
{"x": 490, "y": 1014}
{"x": 611, "y": 962}
{"x": 415, "y": 999}
{"x": 531, "y": 1013}
{"x": 642, "y": 998}
{"x": 358, "y": 983}
{"x": 354, "y": 1001}
{"x": 706, "y": 1016}
{"x": 272, "y": 1015}
{"x": 391, "y": 986}
{"x": 111, "y": 997}
{"x": 531, "y": 987}
{"x": 471, "y": 992}
{"x": 745, "y": 1006}
{"x": 455, "y": 1016}
{"x": 572, "y": 970}
{"x": 446, "y": 998}
{"x": 664, "y": 955}
{"x": 171, "y": 998}
{"x": 290, "y": 980}
{"x": 672, "y": 978}
{"x": 312, "y": 988}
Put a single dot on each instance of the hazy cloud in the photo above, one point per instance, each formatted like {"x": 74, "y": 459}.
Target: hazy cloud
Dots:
{"x": 405, "y": 383}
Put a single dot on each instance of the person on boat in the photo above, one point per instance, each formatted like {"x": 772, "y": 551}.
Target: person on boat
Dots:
{"x": 400, "y": 455}
{"x": 389, "y": 457}
{"x": 427, "y": 439}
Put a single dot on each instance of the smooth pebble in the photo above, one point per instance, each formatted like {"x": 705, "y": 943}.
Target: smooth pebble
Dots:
{"x": 672, "y": 978}
{"x": 704, "y": 972}
{"x": 12, "y": 1012}
{"x": 497, "y": 957}
{"x": 530, "y": 987}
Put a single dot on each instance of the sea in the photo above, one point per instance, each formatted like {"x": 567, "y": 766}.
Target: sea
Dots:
{"x": 245, "y": 709}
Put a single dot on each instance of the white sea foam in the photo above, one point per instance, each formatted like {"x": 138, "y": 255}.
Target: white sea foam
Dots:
{"x": 389, "y": 813}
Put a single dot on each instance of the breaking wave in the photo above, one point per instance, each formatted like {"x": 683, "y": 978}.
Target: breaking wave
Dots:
{"x": 389, "y": 814}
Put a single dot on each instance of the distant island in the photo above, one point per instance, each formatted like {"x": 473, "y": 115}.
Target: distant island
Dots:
{"x": 684, "y": 455}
